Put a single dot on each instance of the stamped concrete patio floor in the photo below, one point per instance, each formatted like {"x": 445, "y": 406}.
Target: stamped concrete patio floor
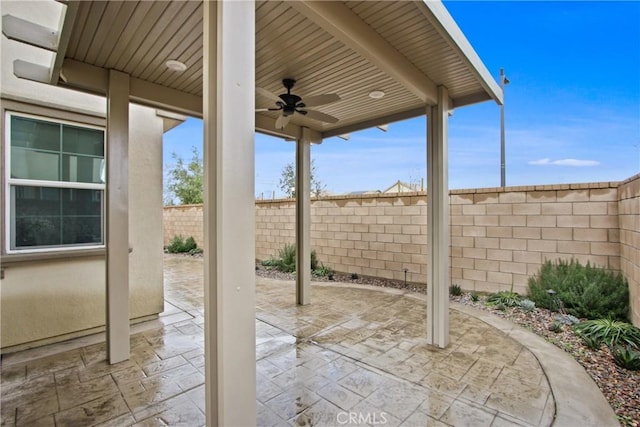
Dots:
{"x": 355, "y": 356}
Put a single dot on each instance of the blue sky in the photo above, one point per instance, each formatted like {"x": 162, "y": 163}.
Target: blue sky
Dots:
{"x": 572, "y": 108}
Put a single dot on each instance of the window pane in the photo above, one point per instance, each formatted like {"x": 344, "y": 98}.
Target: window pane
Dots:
{"x": 37, "y": 216}
{"x": 35, "y": 134}
{"x": 82, "y": 220}
{"x": 81, "y": 169}
{"x": 82, "y": 141}
{"x": 29, "y": 164}
{"x": 57, "y": 216}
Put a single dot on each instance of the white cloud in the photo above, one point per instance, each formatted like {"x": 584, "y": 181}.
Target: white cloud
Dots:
{"x": 540, "y": 162}
{"x": 565, "y": 162}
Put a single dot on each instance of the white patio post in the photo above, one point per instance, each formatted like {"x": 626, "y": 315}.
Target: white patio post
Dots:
{"x": 117, "y": 232}
{"x": 438, "y": 221}
{"x": 229, "y": 212}
{"x": 303, "y": 218}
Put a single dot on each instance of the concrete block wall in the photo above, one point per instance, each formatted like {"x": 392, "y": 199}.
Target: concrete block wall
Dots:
{"x": 629, "y": 219}
{"x": 185, "y": 221}
{"x": 372, "y": 235}
{"x": 501, "y": 237}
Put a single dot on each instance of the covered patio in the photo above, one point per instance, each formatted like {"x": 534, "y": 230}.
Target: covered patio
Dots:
{"x": 356, "y": 356}
{"x": 206, "y": 60}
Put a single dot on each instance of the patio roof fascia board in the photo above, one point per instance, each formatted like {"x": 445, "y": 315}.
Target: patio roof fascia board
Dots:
{"x": 375, "y": 122}
{"x": 343, "y": 24}
{"x": 66, "y": 30}
{"x": 446, "y": 26}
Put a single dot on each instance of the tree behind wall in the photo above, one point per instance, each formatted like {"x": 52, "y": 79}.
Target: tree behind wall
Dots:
{"x": 288, "y": 181}
{"x": 185, "y": 180}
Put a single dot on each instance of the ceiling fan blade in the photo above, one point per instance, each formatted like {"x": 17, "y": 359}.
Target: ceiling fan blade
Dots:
{"x": 259, "y": 110}
{"x": 317, "y": 115}
{"x": 282, "y": 121}
{"x": 267, "y": 94}
{"x": 314, "y": 101}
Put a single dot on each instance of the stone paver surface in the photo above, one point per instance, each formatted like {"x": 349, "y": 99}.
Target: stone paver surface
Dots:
{"x": 355, "y": 356}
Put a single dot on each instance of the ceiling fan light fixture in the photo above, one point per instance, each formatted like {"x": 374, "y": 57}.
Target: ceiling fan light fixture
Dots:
{"x": 176, "y": 66}
{"x": 376, "y": 94}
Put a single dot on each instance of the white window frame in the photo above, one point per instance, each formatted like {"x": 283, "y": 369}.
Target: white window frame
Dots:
{"x": 10, "y": 232}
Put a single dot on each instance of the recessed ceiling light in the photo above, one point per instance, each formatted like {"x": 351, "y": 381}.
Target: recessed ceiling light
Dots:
{"x": 176, "y": 66}
{"x": 376, "y": 94}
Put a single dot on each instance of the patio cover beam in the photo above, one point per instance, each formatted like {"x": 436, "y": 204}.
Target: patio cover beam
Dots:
{"x": 438, "y": 221}
{"x": 340, "y": 21}
{"x": 229, "y": 212}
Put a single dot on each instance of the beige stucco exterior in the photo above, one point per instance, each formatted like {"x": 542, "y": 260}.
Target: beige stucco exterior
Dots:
{"x": 45, "y": 300}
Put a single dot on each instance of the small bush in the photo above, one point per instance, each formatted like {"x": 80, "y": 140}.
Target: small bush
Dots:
{"x": 354, "y": 276}
{"x": 556, "y": 327}
{"x": 626, "y": 357}
{"x": 179, "y": 245}
{"x": 455, "y": 290}
{"x": 507, "y": 298}
{"x": 323, "y": 271}
{"x": 610, "y": 332}
{"x": 527, "y": 305}
{"x": 584, "y": 291}
{"x": 474, "y": 297}
{"x": 286, "y": 260}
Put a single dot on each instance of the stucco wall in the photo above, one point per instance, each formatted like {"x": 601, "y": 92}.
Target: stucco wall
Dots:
{"x": 629, "y": 214}
{"x": 54, "y": 299}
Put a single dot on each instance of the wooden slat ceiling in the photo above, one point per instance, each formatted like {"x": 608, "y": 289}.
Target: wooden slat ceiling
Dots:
{"x": 138, "y": 37}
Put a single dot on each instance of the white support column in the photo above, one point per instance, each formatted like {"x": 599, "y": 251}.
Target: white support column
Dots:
{"x": 117, "y": 238}
{"x": 438, "y": 221}
{"x": 303, "y": 218}
{"x": 229, "y": 212}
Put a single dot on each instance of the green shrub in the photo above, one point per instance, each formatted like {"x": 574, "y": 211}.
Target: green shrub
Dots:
{"x": 286, "y": 260}
{"x": 455, "y": 290}
{"x": 527, "y": 305}
{"x": 323, "y": 271}
{"x": 584, "y": 291}
{"x": 354, "y": 276}
{"x": 556, "y": 327}
{"x": 474, "y": 297}
{"x": 592, "y": 343}
{"x": 179, "y": 245}
{"x": 626, "y": 357}
{"x": 507, "y": 298}
{"x": 610, "y": 332}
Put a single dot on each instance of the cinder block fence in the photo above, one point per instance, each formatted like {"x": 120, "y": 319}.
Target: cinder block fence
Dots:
{"x": 499, "y": 237}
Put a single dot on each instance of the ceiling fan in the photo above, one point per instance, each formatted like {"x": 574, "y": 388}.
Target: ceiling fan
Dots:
{"x": 289, "y": 103}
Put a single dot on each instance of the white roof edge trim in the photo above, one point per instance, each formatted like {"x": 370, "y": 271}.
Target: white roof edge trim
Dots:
{"x": 442, "y": 20}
